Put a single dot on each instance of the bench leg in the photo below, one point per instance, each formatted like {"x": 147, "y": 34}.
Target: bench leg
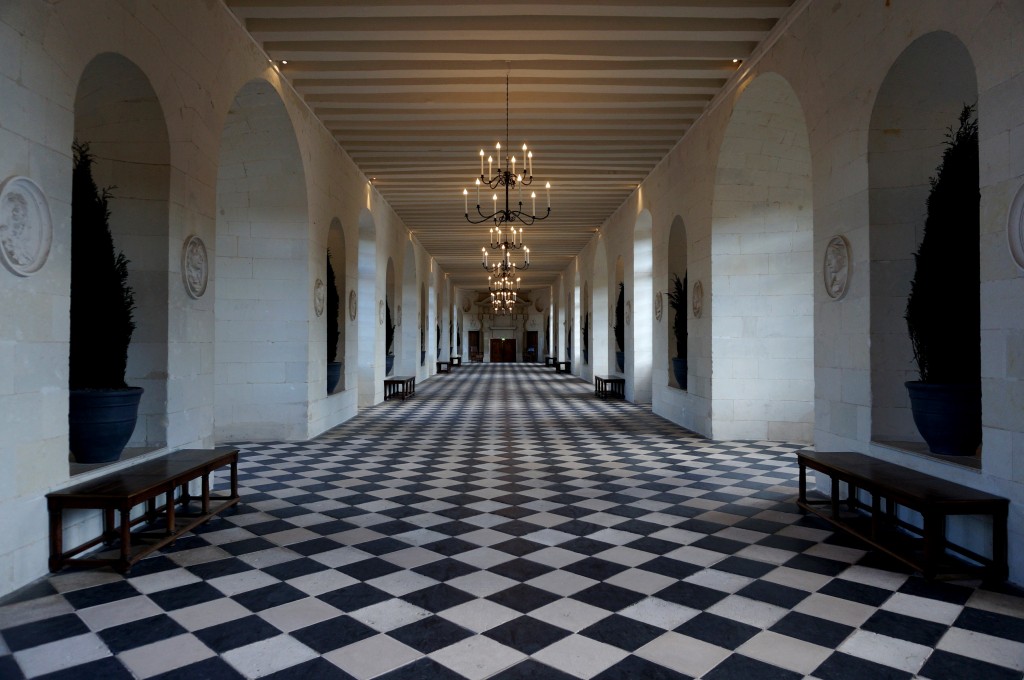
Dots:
{"x": 56, "y": 540}
{"x": 803, "y": 489}
{"x": 206, "y": 493}
{"x": 835, "y": 497}
{"x": 126, "y": 537}
{"x": 1000, "y": 568}
{"x": 934, "y": 542}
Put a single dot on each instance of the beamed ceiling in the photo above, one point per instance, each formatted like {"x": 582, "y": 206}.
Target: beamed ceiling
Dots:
{"x": 600, "y": 90}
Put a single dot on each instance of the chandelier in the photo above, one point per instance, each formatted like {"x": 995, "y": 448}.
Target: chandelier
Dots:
{"x": 504, "y": 293}
{"x": 504, "y": 235}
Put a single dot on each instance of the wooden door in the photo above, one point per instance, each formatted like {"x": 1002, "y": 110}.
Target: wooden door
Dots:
{"x": 503, "y": 350}
{"x": 532, "y": 351}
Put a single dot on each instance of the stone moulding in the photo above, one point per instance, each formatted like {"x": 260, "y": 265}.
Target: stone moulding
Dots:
{"x": 836, "y": 267}
{"x": 1015, "y": 228}
{"x": 697, "y": 299}
{"x": 26, "y": 229}
{"x": 195, "y": 266}
{"x": 319, "y": 297}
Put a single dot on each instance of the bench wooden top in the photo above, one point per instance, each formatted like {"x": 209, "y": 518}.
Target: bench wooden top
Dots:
{"x": 399, "y": 378}
{"x": 611, "y": 378}
{"x": 148, "y": 478}
{"x": 911, "y": 487}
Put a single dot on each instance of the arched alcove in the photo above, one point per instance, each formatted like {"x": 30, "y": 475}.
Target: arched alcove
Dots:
{"x": 919, "y": 100}
{"x": 618, "y": 301}
{"x": 640, "y": 320}
{"x": 118, "y": 115}
{"x": 677, "y": 267}
{"x": 600, "y": 356}
{"x": 368, "y": 326}
{"x": 762, "y": 292}
{"x": 263, "y": 292}
{"x": 409, "y": 358}
{"x": 421, "y": 316}
{"x": 336, "y": 252}
{"x": 392, "y": 317}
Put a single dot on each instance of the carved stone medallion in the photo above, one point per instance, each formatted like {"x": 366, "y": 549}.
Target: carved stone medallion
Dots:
{"x": 398, "y": 320}
{"x": 195, "y": 266}
{"x": 697, "y": 300}
{"x": 465, "y": 305}
{"x": 836, "y": 269}
{"x": 629, "y": 312}
{"x": 26, "y": 230}
{"x": 319, "y": 297}
{"x": 380, "y": 312}
{"x": 658, "y": 306}
{"x": 1015, "y": 228}
{"x": 352, "y": 304}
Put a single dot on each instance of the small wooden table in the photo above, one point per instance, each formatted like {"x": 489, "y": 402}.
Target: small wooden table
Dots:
{"x": 455, "y": 360}
{"x": 924, "y": 548}
{"x": 563, "y": 367}
{"x": 444, "y": 367}
{"x": 118, "y": 492}
{"x": 610, "y": 386}
{"x": 399, "y": 386}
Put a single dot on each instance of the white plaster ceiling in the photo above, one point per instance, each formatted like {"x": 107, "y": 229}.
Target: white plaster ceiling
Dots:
{"x": 600, "y": 90}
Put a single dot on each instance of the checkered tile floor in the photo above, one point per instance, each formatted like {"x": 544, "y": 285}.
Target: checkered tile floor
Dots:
{"x": 506, "y": 524}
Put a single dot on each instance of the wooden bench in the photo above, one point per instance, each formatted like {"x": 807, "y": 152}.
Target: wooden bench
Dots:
{"x": 455, "y": 360}
{"x": 444, "y": 367}
{"x": 890, "y": 487}
{"x": 550, "y": 361}
{"x": 399, "y": 386}
{"x": 610, "y": 386}
{"x": 563, "y": 367}
{"x": 118, "y": 492}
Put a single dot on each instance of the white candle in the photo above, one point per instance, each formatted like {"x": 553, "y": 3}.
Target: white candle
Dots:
{"x": 529, "y": 158}
{"x": 513, "y": 165}
{"x": 465, "y": 196}
{"x": 481, "y": 162}
{"x": 495, "y": 199}
{"x": 547, "y": 188}
{"x": 489, "y": 161}
{"x": 483, "y": 251}
{"x": 527, "y": 256}
{"x": 478, "y": 184}
{"x": 533, "y": 195}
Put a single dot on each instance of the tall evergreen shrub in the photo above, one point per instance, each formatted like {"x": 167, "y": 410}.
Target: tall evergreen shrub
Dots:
{"x": 333, "y": 308}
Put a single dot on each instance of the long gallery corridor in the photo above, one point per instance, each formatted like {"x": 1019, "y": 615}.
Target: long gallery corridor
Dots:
{"x": 504, "y": 523}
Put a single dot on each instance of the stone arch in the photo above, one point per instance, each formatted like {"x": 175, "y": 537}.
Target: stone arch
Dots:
{"x": 762, "y": 305}
{"x": 921, "y": 97}
{"x": 677, "y": 266}
{"x": 640, "y": 321}
{"x": 118, "y": 113}
{"x": 336, "y": 250}
{"x": 368, "y": 327}
{"x": 263, "y": 292}
{"x": 599, "y": 353}
{"x": 391, "y": 308}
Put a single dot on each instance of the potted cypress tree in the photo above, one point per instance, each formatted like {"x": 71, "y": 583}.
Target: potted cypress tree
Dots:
{"x": 943, "y": 308}
{"x": 333, "y": 329}
{"x": 423, "y": 345}
{"x": 677, "y": 301}
{"x": 585, "y": 332}
{"x": 102, "y": 409}
{"x": 620, "y": 328}
{"x": 389, "y": 339}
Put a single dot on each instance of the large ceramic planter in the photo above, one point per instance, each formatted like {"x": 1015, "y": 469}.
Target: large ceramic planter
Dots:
{"x": 333, "y": 375}
{"x": 947, "y": 416}
{"x": 100, "y": 422}
{"x": 389, "y": 364}
{"x": 679, "y": 371}
{"x": 620, "y": 360}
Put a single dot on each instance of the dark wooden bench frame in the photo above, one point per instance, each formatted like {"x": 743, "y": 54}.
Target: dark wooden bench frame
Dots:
{"x": 455, "y": 359}
{"x": 551, "y": 361}
{"x": 563, "y": 367}
{"x": 444, "y": 367}
{"x": 610, "y": 386}
{"x": 117, "y": 493}
{"x": 403, "y": 386}
{"x": 890, "y": 487}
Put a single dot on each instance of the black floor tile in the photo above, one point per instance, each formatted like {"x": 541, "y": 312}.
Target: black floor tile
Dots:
{"x": 607, "y": 596}
{"x": 142, "y": 632}
{"x": 295, "y": 568}
{"x": 744, "y": 567}
{"x": 691, "y": 595}
{"x": 531, "y": 670}
{"x": 908, "y": 628}
{"x": 438, "y": 597}
{"x": 332, "y": 634}
{"x": 227, "y": 636}
{"x": 943, "y": 665}
{"x": 774, "y": 593}
{"x": 812, "y": 629}
{"x": 356, "y": 596}
{"x": 430, "y": 634}
{"x": 185, "y": 596}
{"x": 45, "y": 631}
{"x": 739, "y": 667}
{"x": 596, "y": 568}
{"x": 717, "y": 630}
{"x": 521, "y": 569}
{"x": 422, "y": 669}
{"x": 523, "y": 598}
{"x": 842, "y": 666}
{"x": 368, "y": 569}
{"x": 108, "y": 668}
{"x": 269, "y": 596}
{"x": 527, "y": 634}
{"x": 856, "y": 592}
{"x": 635, "y": 668}
{"x": 218, "y": 568}
{"x": 314, "y": 669}
{"x": 991, "y": 623}
{"x": 620, "y": 631}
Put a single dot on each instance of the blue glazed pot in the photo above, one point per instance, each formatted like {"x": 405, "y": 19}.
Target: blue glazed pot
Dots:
{"x": 100, "y": 422}
{"x": 333, "y": 375}
{"x": 947, "y": 416}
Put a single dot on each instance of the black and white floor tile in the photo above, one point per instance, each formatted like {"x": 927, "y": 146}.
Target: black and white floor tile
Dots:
{"x": 506, "y": 524}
